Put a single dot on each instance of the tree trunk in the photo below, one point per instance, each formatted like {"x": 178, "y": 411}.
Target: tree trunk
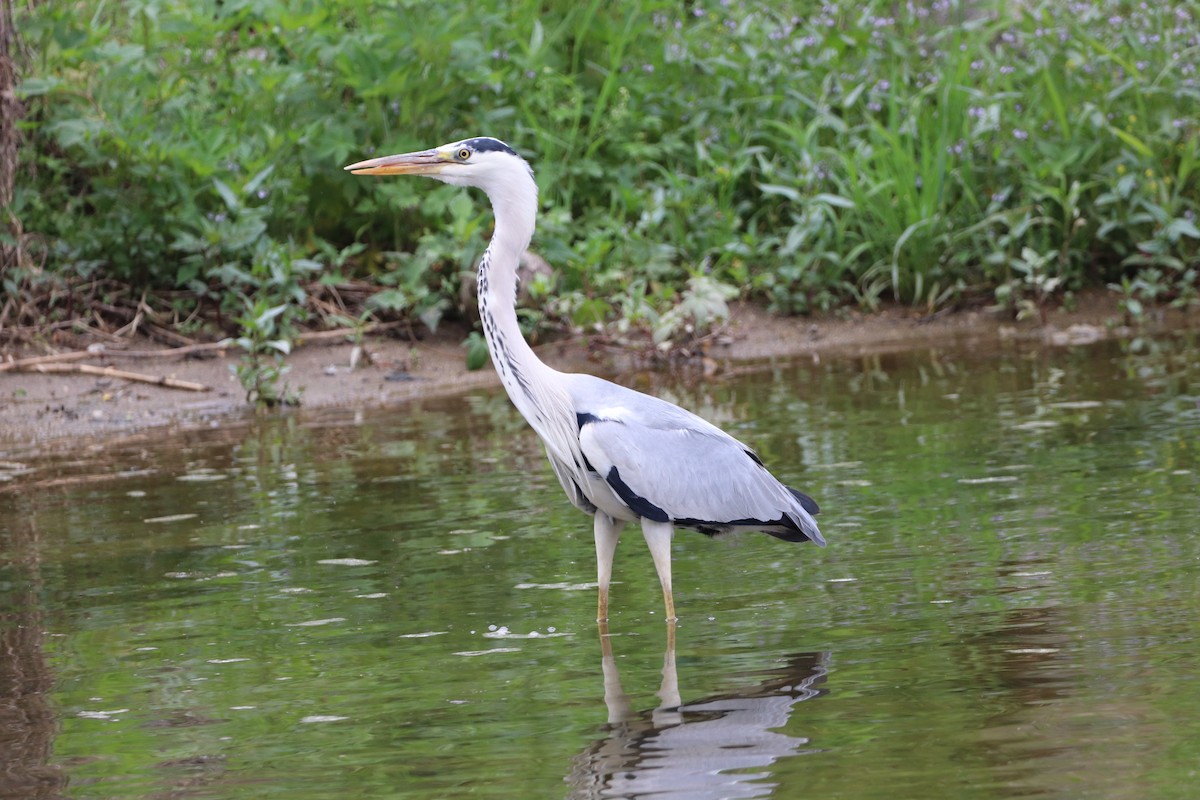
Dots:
{"x": 10, "y": 113}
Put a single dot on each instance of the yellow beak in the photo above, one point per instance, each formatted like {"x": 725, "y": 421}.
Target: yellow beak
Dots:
{"x": 425, "y": 162}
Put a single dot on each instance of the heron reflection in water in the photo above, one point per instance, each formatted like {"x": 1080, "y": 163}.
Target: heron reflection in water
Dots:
{"x": 719, "y": 747}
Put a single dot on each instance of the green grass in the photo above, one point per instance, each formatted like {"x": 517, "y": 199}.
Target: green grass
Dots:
{"x": 808, "y": 154}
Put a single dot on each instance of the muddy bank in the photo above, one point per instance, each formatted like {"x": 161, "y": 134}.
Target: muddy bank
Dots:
{"x": 55, "y": 411}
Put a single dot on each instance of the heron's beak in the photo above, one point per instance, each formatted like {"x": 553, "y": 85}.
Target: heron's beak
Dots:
{"x": 426, "y": 162}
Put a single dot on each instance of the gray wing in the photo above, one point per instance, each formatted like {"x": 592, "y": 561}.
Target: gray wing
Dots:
{"x": 667, "y": 464}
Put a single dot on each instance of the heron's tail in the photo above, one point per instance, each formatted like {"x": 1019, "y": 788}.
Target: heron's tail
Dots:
{"x": 802, "y": 518}
{"x": 806, "y": 502}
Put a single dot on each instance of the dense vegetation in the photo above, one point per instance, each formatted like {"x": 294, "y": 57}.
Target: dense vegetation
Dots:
{"x": 808, "y": 153}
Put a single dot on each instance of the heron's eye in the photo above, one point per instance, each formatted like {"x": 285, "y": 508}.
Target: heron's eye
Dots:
{"x": 464, "y": 154}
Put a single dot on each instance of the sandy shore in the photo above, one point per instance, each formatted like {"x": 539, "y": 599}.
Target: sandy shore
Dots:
{"x": 41, "y": 412}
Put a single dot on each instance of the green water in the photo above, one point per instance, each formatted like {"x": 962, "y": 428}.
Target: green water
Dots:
{"x": 397, "y": 604}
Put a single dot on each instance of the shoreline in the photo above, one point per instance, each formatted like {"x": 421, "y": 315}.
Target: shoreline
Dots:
{"x": 49, "y": 412}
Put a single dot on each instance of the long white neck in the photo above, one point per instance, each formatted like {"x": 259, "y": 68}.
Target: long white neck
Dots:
{"x": 532, "y": 386}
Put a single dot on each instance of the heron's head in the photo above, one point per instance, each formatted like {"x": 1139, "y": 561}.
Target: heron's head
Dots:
{"x": 483, "y": 162}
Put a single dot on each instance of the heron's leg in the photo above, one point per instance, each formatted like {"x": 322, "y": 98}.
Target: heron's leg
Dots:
{"x": 608, "y": 533}
{"x": 658, "y": 539}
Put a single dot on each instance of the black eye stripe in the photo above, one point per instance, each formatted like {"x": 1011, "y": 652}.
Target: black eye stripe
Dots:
{"x": 486, "y": 144}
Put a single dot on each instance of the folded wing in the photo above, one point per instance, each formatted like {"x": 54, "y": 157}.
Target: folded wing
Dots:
{"x": 667, "y": 464}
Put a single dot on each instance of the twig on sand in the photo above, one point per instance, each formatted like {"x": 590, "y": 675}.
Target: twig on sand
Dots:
{"x": 341, "y": 333}
{"x": 113, "y": 372}
{"x": 100, "y": 351}
{"x": 28, "y": 363}
{"x": 64, "y": 362}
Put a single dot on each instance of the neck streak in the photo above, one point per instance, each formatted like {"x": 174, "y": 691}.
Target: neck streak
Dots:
{"x": 529, "y": 382}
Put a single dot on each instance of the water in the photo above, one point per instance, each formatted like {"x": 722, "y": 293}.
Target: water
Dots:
{"x": 398, "y": 604}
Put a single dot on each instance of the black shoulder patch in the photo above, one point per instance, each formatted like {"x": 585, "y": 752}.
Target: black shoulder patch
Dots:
{"x": 486, "y": 144}
{"x": 582, "y": 419}
{"x": 754, "y": 457}
{"x": 638, "y": 505}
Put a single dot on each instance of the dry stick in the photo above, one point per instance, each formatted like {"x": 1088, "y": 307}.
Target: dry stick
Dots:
{"x": 201, "y": 347}
{"x": 167, "y": 335}
{"x": 40, "y": 329}
{"x": 113, "y": 372}
{"x": 373, "y": 327}
{"x": 129, "y": 328}
{"x": 101, "y": 352}
{"x": 26, "y": 364}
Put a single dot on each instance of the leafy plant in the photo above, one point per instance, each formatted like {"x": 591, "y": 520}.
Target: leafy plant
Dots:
{"x": 265, "y": 342}
{"x": 1028, "y": 291}
{"x": 806, "y": 154}
{"x": 477, "y": 351}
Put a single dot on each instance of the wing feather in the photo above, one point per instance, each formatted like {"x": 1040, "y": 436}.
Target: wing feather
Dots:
{"x": 688, "y": 475}
{"x": 665, "y": 463}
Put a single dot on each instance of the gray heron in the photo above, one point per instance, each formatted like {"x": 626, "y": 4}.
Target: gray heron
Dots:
{"x": 621, "y": 456}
